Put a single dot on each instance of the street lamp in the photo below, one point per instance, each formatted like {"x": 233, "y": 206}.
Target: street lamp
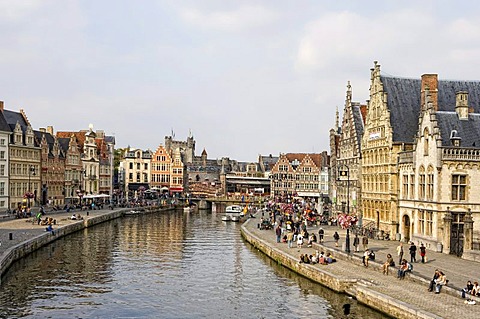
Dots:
{"x": 344, "y": 171}
{"x": 31, "y": 171}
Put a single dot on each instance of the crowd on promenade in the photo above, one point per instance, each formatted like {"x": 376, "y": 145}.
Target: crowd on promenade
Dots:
{"x": 291, "y": 217}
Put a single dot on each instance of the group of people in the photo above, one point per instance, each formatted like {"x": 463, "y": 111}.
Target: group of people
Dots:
{"x": 317, "y": 258}
{"x": 412, "y": 249}
{"x": 471, "y": 289}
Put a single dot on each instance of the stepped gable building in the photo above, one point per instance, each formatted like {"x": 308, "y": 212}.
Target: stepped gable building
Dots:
{"x": 345, "y": 150}
{"x": 52, "y": 168}
{"x": 96, "y": 151}
{"x": 24, "y": 160}
{"x": 5, "y": 133}
{"x": 439, "y": 204}
{"x": 160, "y": 169}
{"x": 297, "y": 174}
{"x": 73, "y": 168}
{"x": 390, "y": 127}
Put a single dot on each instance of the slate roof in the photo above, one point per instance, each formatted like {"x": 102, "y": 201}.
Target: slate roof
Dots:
{"x": 358, "y": 122}
{"x": 64, "y": 143}
{"x": 13, "y": 117}
{"x": 4, "y": 127}
{"x": 403, "y": 98}
{"x": 468, "y": 131}
{"x": 404, "y": 103}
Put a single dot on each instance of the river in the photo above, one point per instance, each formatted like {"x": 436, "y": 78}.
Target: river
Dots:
{"x": 165, "y": 265}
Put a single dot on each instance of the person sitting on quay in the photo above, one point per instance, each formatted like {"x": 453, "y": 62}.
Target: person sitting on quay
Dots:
{"x": 388, "y": 263}
{"x": 440, "y": 282}
{"x": 468, "y": 289}
{"x": 49, "y": 228}
{"x": 405, "y": 267}
{"x": 436, "y": 274}
{"x": 313, "y": 259}
{"x": 74, "y": 217}
{"x": 304, "y": 259}
{"x": 475, "y": 289}
{"x": 330, "y": 258}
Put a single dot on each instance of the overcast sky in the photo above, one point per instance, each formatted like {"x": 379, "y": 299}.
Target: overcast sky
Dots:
{"x": 245, "y": 77}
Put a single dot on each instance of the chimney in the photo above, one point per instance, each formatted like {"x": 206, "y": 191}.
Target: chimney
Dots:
{"x": 431, "y": 82}
{"x": 50, "y": 130}
{"x": 1, "y": 105}
{"x": 363, "y": 110}
{"x": 461, "y": 105}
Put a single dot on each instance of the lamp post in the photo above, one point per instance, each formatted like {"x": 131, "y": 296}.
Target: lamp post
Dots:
{"x": 344, "y": 171}
{"x": 31, "y": 171}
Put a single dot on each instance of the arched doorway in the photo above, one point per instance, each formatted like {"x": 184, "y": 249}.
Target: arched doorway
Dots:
{"x": 406, "y": 228}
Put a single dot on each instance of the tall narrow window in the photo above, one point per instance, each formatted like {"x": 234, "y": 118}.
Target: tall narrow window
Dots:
{"x": 430, "y": 184}
{"x": 421, "y": 184}
{"x": 459, "y": 185}
{"x": 405, "y": 186}
{"x": 412, "y": 186}
{"x": 425, "y": 142}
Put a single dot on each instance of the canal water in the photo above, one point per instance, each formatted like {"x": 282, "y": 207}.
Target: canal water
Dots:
{"x": 165, "y": 265}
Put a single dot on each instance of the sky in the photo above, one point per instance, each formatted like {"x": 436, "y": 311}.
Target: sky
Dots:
{"x": 243, "y": 77}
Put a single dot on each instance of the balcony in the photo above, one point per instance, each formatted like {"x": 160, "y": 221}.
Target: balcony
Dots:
{"x": 461, "y": 154}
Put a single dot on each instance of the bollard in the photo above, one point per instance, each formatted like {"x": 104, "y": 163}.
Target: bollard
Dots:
{"x": 87, "y": 212}
{"x": 10, "y": 236}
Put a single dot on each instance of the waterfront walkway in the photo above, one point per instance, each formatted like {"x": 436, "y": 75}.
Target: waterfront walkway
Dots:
{"x": 24, "y": 229}
{"x": 410, "y": 293}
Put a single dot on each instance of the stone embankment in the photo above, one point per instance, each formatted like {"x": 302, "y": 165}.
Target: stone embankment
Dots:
{"x": 407, "y": 298}
{"x": 20, "y": 237}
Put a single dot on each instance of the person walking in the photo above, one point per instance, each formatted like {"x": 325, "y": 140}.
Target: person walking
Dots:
{"x": 336, "y": 237}
{"x": 400, "y": 253}
{"x": 365, "y": 242}
{"x": 278, "y": 232}
{"x": 290, "y": 239}
{"x": 321, "y": 233}
{"x": 356, "y": 243}
{"x": 413, "y": 252}
{"x": 423, "y": 252}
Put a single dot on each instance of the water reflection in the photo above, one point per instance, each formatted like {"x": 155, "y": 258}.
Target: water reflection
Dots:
{"x": 172, "y": 265}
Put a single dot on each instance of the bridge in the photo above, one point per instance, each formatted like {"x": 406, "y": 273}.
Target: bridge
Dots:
{"x": 219, "y": 202}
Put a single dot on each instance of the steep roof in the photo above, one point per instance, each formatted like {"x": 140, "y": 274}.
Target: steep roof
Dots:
{"x": 79, "y": 135}
{"x": 468, "y": 131}
{"x": 403, "y": 97}
{"x": 64, "y": 143}
{"x": 4, "y": 127}
{"x": 358, "y": 122}
{"x": 316, "y": 158}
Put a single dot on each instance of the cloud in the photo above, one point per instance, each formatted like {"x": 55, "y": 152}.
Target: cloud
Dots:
{"x": 239, "y": 19}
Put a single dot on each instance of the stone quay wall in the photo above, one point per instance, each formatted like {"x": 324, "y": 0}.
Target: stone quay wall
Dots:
{"x": 357, "y": 288}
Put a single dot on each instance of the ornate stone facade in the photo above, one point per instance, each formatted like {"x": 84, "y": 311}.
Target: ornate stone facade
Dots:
{"x": 438, "y": 202}
{"x": 345, "y": 149}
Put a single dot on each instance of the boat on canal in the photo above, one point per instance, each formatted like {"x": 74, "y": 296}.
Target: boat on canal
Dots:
{"x": 233, "y": 213}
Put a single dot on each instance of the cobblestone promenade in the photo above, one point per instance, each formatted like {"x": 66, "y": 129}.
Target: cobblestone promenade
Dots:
{"x": 411, "y": 292}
